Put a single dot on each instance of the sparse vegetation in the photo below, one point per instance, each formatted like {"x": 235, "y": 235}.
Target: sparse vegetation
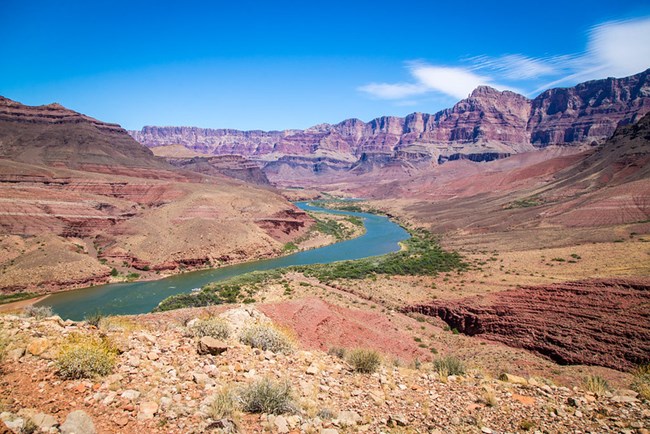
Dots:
{"x": 266, "y": 337}
{"x": 525, "y": 203}
{"x": 94, "y": 318}
{"x": 85, "y": 357}
{"x": 4, "y": 343}
{"x": 337, "y": 352}
{"x": 38, "y": 312}
{"x": 526, "y": 425}
{"x": 268, "y": 396}
{"x": 596, "y": 384}
{"x": 449, "y": 365}
{"x": 214, "y": 327}
{"x": 235, "y": 290}
{"x": 641, "y": 382}
{"x": 363, "y": 360}
{"x": 289, "y": 247}
{"x": 17, "y": 296}
{"x": 224, "y": 404}
{"x": 422, "y": 256}
{"x": 114, "y": 272}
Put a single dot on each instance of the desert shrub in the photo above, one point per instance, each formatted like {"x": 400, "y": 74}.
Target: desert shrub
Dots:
{"x": 214, "y": 327}
{"x": 337, "y": 352}
{"x": 266, "y": 337}
{"x": 116, "y": 324}
{"x": 364, "y": 360}
{"x": 38, "y": 312}
{"x": 526, "y": 425}
{"x": 449, "y": 365}
{"x": 114, "y": 272}
{"x": 641, "y": 382}
{"x": 94, "y": 318}
{"x": 596, "y": 384}
{"x": 4, "y": 343}
{"x": 268, "y": 396}
{"x": 224, "y": 405}
{"x": 85, "y": 357}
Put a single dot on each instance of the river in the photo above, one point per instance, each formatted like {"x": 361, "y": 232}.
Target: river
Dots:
{"x": 382, "y": 236}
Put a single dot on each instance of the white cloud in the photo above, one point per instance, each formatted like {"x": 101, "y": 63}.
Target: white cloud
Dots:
{"x": 456, "y": 82}
{"x": 615, "y": 48}
{"x": 518, "y": 66}
{"x": 621, "y": 47}
{"x": 393, "y": 91}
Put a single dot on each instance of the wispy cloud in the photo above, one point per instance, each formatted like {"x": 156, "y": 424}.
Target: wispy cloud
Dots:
{"x": 453, "y": 81}
{"x": 394, "y": 90}
{"x": 615, "y": 48}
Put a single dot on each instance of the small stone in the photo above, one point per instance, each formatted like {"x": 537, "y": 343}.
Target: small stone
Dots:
{"x": 329, "y": 431}
{"x": 78, "y": 422}
{"x": 44, "y": 421}
{"x": 281, "y": 425}
{"x": 201, "y": 379}
{"x": 15, "y": 354}
{"x": 130, "y": 394}
{"x": 347, "y": 418}
{"x": 397, "y": 420}
{"x": 312, "y": 370}
{"x": 514, "y": 379}
{"x": 148, "y": 410}
{"x": 38, "y": 346}
{"x": 210, "y": 345}
{"x": 624, "y": 399}
{"x": 121, "y": 421}
{"x": 486, "y": 430}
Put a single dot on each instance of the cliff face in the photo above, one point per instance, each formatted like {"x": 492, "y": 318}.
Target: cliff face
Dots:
{"x": 590, "y": 111}
{"x": 55, "y": 136}
{"x": 488, "y": 124}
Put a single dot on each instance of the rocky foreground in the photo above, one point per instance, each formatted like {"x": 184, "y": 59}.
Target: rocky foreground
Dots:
{"x": 166, "y": 378}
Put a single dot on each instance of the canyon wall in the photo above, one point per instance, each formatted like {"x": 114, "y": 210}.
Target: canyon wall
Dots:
{"x": 488, "y": 124}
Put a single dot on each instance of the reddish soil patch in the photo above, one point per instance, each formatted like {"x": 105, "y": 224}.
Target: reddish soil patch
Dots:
{"x": 320, "y": 325}
{"x": 595, "y": 322}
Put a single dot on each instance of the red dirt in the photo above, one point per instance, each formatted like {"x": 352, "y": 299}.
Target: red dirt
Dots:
{"x": 595, "y": 322}
{"x": 320, "y": 325}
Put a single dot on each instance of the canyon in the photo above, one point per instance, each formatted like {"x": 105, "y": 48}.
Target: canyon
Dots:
{"x": 486, "y": 126}
{"x": 83, "y": 203}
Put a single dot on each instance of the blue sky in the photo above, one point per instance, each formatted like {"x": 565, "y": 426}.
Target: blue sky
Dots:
{"x": 294, "y": 64}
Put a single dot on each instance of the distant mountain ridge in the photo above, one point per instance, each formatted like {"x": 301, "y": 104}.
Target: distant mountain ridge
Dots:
{"x": 489, "y": 124}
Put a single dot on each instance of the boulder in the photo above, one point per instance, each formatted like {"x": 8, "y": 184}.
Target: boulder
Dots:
{"x": 210, "y": 345}
{"x": 78, "y": 422}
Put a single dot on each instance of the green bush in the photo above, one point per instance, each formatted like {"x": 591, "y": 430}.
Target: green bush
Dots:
{"x": 114, "y": 272}
{"x": 449, "y": 365}
{"x": 266, "y": 337}
{"x": 596, "y": 384}
{"x": 214, "y": 327}
{"x": 38, "y": 312}
{"x": 364, "y": 360}
{"x": 268, "y": 396}
{"x": 85, "y": 357}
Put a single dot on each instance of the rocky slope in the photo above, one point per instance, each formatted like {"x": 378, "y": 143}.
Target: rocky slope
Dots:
{"x": 166, "y": 380}
{"x": 79, "y": 197}
{"x": 591, "y": 322}
{"x": 55, "y": 136}
{"x": 487, "y": 125}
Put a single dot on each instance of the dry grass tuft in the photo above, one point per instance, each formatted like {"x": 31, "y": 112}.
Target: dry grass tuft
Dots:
{"x": 364, "y": 360}
{"x": 85, "y": 357}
